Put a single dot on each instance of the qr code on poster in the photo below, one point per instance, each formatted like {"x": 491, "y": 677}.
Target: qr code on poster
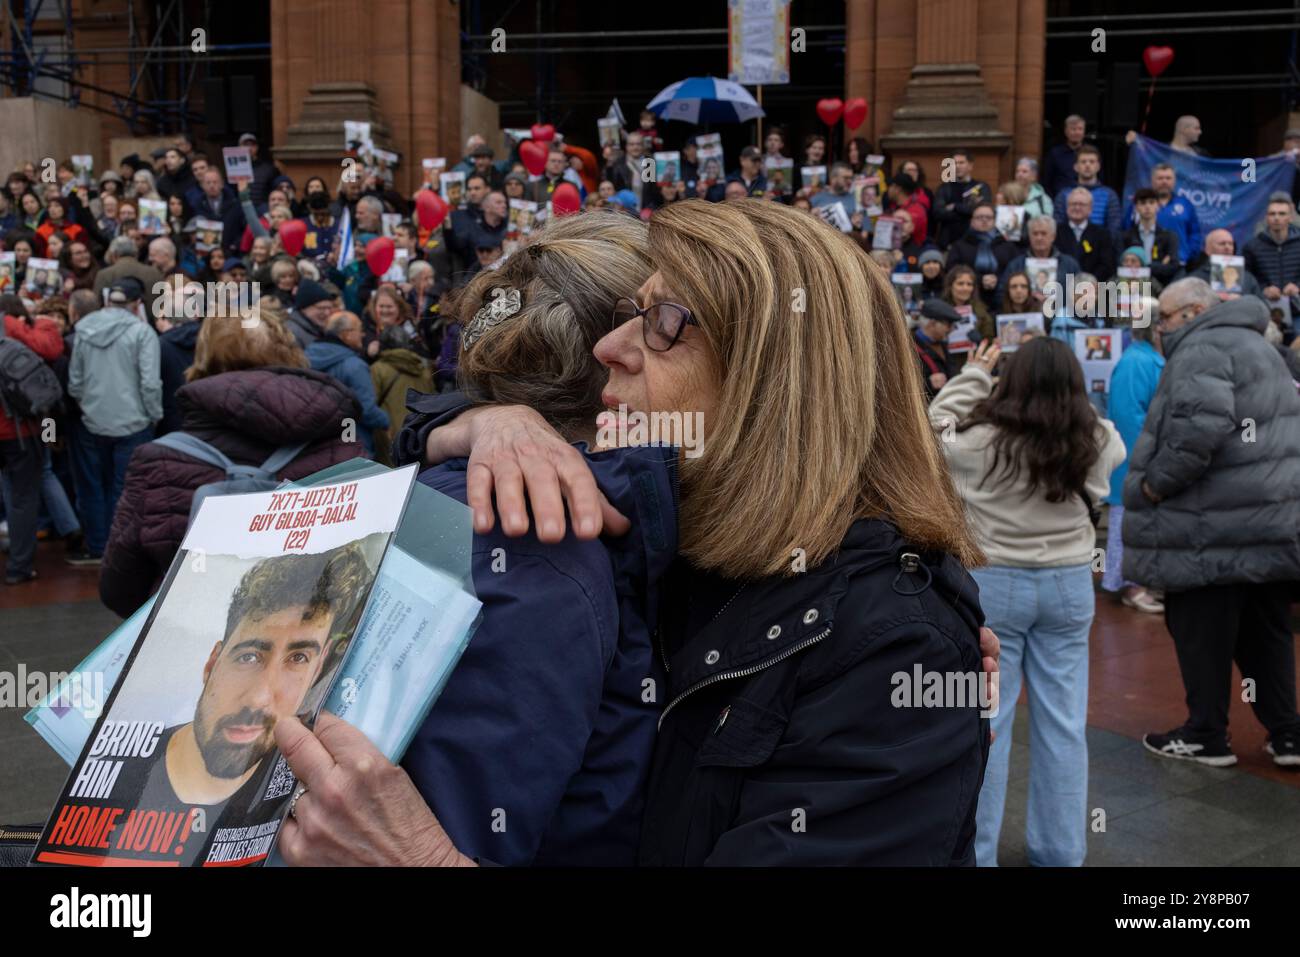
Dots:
{"x": 282, "y": 780}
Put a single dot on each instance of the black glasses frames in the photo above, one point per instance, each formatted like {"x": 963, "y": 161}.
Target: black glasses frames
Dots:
{"x": 662, "y": 322}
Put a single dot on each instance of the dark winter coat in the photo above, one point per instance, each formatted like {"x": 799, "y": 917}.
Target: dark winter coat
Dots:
{"x": 787, "y": 736}
{"x": 175, "y": 356}
{"x": 247, "y": 415}
{"x": 1273, "y": 263}
{"x": 1221, "y": 448}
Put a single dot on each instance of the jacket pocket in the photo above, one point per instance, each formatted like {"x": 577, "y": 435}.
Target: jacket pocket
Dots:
{"x": 743, "y": 735}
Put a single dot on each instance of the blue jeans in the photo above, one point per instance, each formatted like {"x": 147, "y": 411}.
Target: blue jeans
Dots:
{"x": 1042, "y": 616}
{"x": 99, "y": 472}
{"x": 57, "y": 509}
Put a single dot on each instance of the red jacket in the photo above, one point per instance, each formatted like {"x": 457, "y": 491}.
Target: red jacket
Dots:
{"x": 44, "y": 339}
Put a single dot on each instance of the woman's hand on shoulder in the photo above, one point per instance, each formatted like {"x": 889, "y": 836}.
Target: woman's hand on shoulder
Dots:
{"x": 516, "y": 456}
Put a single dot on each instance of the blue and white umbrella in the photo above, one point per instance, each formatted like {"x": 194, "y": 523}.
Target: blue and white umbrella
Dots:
{"x": 705, "y": 99}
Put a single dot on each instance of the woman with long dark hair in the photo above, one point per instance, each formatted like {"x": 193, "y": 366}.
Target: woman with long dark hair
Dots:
{"x": 1031, "y": 458}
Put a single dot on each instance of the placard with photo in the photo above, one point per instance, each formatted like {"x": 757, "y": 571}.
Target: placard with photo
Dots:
{"x": 779, "y": 171}
{"x": 1226, "y": 273}
{"x": 1010, "y": 222}
{"x": 1041, "y": 272}
{"x": 812, "y": 177}
{"x": 452, "y": 187}
{"x": 1014, "y": 328}
{"x": 907, "y": 286}
{"x": 668, "y": 166}
{"x": 432, "y": 166}
{"x": 152, "y": 217}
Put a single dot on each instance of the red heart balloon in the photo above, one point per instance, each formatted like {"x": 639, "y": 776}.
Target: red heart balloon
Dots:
{"x": 431, "y": 209}
{"x": 379, "y": 254}
{"x": 533, "y": 155}
{"x": 543, "y": 132}
{"x": 830, "y": 110}
{"x": 565, "y": 200}
{"x": 855, "y": 113}
{"x": 292, "y": 233}
{"x": 1157, "y": 59}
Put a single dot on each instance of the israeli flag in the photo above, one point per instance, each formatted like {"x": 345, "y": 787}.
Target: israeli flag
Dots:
{"x": 346, "y": 251}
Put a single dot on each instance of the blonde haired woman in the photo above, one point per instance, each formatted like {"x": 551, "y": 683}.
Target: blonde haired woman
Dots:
{"x": 820, "y": 561}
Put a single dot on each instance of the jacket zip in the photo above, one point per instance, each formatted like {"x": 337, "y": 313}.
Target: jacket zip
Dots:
{"x": 7, "y": 834}
{"x": 744, "y": 672}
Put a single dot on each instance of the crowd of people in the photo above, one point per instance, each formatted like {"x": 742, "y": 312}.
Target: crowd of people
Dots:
{"x": 1000, "y": 459}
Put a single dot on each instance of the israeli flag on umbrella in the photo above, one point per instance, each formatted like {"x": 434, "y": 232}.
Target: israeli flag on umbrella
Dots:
{"x": 705, "y": 99}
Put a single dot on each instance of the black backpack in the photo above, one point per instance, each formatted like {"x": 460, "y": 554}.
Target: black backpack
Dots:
{"x": 29, "y": 389}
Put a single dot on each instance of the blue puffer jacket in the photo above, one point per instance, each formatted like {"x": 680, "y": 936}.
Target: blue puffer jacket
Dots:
{"x": 538, "y": 750}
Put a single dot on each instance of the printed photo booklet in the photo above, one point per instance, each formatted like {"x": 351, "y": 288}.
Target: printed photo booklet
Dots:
{"x": 349, "y": 590}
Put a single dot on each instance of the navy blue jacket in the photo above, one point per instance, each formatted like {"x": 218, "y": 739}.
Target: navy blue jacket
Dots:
{"x": 332, "y": 357}
{"x": 231, "y": 216}
{"x": 538, "y": 750}
{"x": 175, "y": 354}
{"x": 792, "y": 732}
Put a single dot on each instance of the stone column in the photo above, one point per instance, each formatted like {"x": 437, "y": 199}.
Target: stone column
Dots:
{"x": 945, "y": 104}
{"x": 386, "y": 62}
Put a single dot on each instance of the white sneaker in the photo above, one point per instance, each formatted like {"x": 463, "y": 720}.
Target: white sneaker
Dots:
{"x": 1140, "y": 599}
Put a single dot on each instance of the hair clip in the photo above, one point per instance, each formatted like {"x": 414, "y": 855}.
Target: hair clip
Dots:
{"x": 502, "y": 306}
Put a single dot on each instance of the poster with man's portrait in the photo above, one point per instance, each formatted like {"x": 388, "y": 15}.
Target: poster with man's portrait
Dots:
{"x": 1016, "y": 328}
{"x": 1098, "y": 351}
{"x": 43, "y": 279}
{"x": 250, "y": 626}
{"x": 1226, "y": 273}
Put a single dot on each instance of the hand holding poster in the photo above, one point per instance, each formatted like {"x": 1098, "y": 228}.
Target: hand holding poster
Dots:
{"x": 250, "y": 625}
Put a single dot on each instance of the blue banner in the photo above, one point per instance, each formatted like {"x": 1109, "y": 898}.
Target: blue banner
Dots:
{"x": 1226, "y": 193}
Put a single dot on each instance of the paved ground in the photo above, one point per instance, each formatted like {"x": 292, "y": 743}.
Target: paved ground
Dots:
{"x": 1157, "y": 811}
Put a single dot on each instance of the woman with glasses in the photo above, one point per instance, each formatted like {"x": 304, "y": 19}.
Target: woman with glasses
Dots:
{"x": 819, "y": 573}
